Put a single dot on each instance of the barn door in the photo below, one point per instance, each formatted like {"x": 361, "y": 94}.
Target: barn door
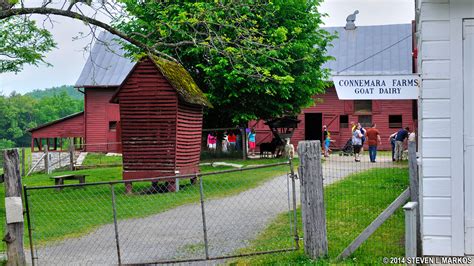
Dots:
{"x": 468, "y": 45}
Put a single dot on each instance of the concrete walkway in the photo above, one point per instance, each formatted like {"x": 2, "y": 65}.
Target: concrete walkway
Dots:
{"x": 232, "y": 222}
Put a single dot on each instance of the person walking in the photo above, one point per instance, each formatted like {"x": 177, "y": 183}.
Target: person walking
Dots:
{"x": 373, "y": 138}
{"x": 357, "y": 142}
{"x": 402, "y": 134}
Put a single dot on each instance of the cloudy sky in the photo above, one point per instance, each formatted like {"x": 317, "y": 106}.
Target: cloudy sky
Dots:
{"x": 68, "y": 59}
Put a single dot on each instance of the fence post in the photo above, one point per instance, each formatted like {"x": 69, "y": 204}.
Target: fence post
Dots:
{"x": 13, "y": 208}
{"x": 71, "y": 154}
{"x": 23, "y": 163}
{"x": 411, "y": 209}
{"x": 46, "y": 159}
{"x": 312, "y": 199}
{"x": 414, "y": 187}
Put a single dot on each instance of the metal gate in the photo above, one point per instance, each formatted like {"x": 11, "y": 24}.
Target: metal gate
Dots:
{"x": 213, "y": 216}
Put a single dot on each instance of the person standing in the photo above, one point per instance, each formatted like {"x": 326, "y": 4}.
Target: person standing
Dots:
{"x": 392, "y": 143}
{"x": 362, "y": 131}
{"x": 232, "y": 140}
{"x": 327, "y": 143}
{"x": 211, "y": 142}
{"x": 225, "y": 142}
{"x": 357, "y": 142}
{"x": 373, "y": 138}
{"x": 402, "y": 134}
{"x": 325, "y": 132}
{"x": 412, "y": 136}
{"x": 252, "y": 138}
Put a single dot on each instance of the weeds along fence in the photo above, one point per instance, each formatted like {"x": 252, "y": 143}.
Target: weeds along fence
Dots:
{"x": 355, "y": 194}
{"x": 213, "y": 215}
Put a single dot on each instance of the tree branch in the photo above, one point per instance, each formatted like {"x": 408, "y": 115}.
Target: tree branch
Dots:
{"x": 6, "y": 13}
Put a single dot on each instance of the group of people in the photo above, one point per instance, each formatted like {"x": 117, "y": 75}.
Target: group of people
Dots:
{"x": 231, "y": 141}
{"x": 360, "y": 135}
{"x": 397, "y": 139}
{"x": 372, "y": 136}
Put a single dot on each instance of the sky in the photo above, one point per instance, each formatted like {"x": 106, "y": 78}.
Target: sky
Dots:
{"x": 69, "y": 56}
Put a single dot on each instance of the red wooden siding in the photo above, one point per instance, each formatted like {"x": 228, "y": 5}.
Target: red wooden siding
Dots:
{"x": 98, "y": 114}
{"x": 332, "y": 108}
{"x": 148, "y": 112}
{"x": 188, "y": 138}
{"x": 69, "y": 127}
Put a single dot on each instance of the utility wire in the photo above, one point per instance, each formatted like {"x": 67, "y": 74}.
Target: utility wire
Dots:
{"x": 377, "y": 53}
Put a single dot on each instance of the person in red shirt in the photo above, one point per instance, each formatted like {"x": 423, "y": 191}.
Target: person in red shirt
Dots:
{"x": 232, "y": 140}
{"x": 373, "y": 136}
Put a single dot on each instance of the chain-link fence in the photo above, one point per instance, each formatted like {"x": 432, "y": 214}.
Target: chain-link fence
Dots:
{"x": 357, "y": 190}
{"x": 213, "y": 215}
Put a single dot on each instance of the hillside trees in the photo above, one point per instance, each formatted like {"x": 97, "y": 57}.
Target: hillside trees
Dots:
{"x": 19, "y": 113}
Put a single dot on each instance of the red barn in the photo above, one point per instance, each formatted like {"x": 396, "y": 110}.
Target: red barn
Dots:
{"x": 161, "y": 110}
{"x": 367, "y": 50}
{"x": 99, "y": 129}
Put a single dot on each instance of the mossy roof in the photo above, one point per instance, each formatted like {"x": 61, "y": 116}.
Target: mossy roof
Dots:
{"x": 178, "y": 77}
{"x": 181, "y": 81}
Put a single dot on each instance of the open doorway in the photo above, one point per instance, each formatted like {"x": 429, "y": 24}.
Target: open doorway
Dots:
{"x": 313, "y": 126}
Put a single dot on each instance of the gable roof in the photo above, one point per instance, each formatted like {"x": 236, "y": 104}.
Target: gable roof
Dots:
{"x": 107, "y": 65}
{"x": 178, "y": 77}
{"x": 371, "y": 50}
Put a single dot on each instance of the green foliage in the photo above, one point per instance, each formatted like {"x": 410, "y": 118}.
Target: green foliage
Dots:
{"x": 21, "y": 112}
{"x": 253, "y": 59}
{"x": 22, "y": 42}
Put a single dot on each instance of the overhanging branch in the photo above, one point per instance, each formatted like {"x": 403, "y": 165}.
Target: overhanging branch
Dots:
{"x": 6, "y": 13}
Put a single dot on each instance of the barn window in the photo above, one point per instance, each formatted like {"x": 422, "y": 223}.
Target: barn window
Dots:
{"x": 363, "y": 106}
{"x": 344, "y": 121}
{"x": 395, "y": 121}
{"x": 112, "y": 125}
{"x": 365, "y": 120}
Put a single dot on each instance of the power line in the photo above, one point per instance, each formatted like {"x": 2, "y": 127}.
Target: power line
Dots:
{"x": 377, "y": 53}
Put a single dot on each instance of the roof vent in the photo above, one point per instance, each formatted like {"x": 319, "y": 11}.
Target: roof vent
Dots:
{"x": 350, "y": 25}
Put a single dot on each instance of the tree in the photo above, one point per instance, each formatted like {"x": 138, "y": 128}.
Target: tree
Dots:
{"x": 22, "y": 42}
{"x": 254, "y": 59}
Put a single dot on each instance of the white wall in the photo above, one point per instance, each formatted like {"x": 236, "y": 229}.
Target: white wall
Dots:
{"x": 439, "y": 26}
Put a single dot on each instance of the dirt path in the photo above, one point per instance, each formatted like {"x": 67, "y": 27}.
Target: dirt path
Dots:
{"x": 232, "y": 223}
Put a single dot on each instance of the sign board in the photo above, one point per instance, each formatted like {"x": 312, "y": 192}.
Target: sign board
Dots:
{"x": 14, "y": 210}
{"x": 390, "y": 87}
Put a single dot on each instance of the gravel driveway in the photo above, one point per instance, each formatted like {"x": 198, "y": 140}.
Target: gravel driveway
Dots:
{"x": 232, "y": 222}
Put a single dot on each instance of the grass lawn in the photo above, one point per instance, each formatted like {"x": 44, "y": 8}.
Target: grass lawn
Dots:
{"x": 72, "y": 212}
{"x": 93, "y": 159}
{"x": 351, "y": 205}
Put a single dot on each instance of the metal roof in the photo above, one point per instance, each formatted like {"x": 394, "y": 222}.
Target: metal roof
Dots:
{"x": 107, "y": 65}
{"x": 371, "y": 50}
{"x": 367, "y": 50}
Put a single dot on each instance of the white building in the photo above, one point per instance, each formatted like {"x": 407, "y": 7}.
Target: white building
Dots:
{"x": 445, "y": 40}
